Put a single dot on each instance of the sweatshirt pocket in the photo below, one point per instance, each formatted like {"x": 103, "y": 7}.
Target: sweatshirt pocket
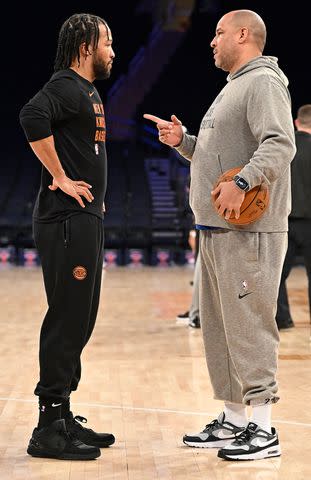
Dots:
{"x": 253, "y": 247}
{"x": 221, "y": 170}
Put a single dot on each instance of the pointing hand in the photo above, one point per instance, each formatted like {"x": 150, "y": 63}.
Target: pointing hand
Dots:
{"x": 170, "y": 132}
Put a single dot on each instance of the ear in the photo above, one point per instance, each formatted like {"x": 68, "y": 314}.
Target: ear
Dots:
{"x": 243, "y": 34}
{"x": 84, "y": 52}
{"x": 297, "y": 123}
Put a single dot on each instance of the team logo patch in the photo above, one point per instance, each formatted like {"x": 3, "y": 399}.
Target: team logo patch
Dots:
{"x": 79, "y": 272}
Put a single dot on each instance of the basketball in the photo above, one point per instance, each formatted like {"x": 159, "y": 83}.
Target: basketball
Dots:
{"x": 254, "y": 204}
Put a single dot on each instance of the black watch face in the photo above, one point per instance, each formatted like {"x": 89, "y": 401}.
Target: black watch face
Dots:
{"x": 242, "y": 183}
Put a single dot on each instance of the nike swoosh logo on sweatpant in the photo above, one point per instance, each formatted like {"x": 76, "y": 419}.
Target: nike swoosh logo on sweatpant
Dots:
{"x": 244, "y": 295}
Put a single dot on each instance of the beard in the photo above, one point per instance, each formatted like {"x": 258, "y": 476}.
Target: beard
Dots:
{"x": 101, "y": 70}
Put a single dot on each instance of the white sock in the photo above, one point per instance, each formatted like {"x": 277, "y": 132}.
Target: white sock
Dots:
{"x": 236, "y": 414}
{"x": 261, "y": 415}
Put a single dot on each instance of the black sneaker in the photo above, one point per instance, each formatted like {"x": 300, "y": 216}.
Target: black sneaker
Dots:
{"x": 216, "y": 434}
{"x": 195, "y": 322}
{"x": 183, "y": 318}
{"x": 252, "y": 444}
{"x": 55, "y": 442}
{"x": 86, "y": 435}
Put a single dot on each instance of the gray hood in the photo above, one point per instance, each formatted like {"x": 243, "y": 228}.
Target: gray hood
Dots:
{"x": 259, "y": 62}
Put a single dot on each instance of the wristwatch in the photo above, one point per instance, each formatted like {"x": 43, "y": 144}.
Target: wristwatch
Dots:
{"x": 241, "y": 183}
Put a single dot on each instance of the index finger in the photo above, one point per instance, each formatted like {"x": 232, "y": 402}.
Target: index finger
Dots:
{"x": 81, "y": 183}
{"x": 153, "y": 118}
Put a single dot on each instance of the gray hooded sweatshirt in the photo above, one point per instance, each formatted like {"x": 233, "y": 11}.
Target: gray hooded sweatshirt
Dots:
{"x": 250, "y": 125}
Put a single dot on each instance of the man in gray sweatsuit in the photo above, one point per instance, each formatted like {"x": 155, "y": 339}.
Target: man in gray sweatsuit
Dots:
{"x": 250, "y": 125}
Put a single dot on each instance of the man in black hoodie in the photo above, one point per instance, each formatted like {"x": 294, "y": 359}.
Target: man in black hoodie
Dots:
{"x": 65, "y": 126}
{"x": 299, "y": 221}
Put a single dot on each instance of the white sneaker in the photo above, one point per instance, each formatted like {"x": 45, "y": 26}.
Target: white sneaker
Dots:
{"x": 216, "y": 434}
{"x": 183, "y": 318}
{"x": 252, "y": 444}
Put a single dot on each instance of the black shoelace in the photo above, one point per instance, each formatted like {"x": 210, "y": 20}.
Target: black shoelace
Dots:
{"x": 244, "y": 436}
{"x": 211, "y": 425}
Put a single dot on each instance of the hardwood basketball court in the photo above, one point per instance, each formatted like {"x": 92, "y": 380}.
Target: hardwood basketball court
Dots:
{"x": 145, "y": 379}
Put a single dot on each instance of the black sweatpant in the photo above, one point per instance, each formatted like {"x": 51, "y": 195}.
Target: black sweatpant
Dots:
{"x": 71, "y": 254}
{"x": 299, "y": 240}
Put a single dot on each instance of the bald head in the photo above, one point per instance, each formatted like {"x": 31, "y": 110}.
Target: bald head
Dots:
{"x": 240, "y": 36}
{"x": 253, "y": 22}
{"x": 303, "y": 121}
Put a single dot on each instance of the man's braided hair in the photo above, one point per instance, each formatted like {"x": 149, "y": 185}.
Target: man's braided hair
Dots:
{"x": 77, "y": 29}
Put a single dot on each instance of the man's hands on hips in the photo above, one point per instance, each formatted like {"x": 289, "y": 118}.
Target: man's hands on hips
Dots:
{"x": 230, "y": 198}
{"x": 45, "y": 150}
{"x": 170, "y": 133}
{"x": 75, "y": 188}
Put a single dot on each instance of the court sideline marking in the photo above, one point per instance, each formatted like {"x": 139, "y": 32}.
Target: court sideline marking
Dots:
{"x": 153, "y": 410}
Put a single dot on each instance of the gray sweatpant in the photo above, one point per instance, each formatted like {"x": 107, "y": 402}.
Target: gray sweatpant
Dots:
{"x": 240, "y": 276}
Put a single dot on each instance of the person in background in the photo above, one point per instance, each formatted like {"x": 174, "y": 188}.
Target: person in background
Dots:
{"x": 299, "y": 222}
{"x": 192, "y": 316}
